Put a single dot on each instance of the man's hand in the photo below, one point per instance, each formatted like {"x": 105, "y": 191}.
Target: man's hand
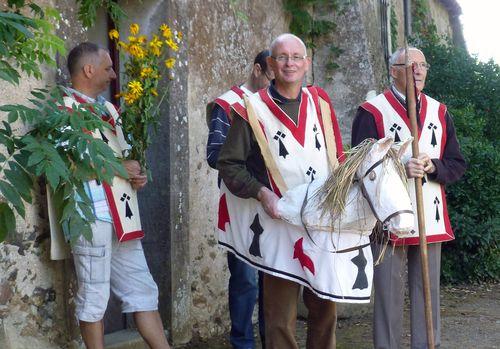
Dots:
{"x": 269, "y": 201}
{"x": 416, "y": 168}
{"x": 135, "y": 176}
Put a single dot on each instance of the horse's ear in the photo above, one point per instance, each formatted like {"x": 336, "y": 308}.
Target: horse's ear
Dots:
{"x": 384, "y": 144}
{"x": 401, "y": 147}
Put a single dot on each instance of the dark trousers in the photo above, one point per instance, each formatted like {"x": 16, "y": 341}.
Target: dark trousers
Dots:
{"x": 243, "y": 291}
{"x": 280, "y": 313}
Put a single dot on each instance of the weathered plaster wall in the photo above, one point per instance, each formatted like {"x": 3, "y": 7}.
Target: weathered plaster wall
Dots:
{"x": 221, "y": 49}
{"x": 360, "y": 64}
{"x": 33, "y": 310}
{"x": 441, "y": 18}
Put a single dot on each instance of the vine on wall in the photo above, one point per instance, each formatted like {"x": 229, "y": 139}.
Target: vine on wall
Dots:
{"x": 310, "y": 29}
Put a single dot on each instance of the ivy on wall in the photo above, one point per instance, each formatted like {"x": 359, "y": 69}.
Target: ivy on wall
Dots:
{"x": 310, "y": 29}
{"x": 87, "y": 11}
{"x": 394, "y": 29}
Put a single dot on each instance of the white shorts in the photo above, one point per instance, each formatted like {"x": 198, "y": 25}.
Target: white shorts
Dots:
{"x": 105, "y": 264}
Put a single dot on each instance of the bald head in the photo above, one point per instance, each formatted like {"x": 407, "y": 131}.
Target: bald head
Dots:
{"x": 283, "y": 38}
{"x": 398, "y": 55}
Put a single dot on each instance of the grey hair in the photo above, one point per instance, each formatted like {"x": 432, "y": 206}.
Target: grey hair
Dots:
{"x": 400, "y": 51}
{"x": 283, "y": 37}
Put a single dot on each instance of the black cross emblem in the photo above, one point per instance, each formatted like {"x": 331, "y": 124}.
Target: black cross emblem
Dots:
{"x": 104, "y": 138}
{"x": 395, "y": 128}
{"x": 128, "y": 212}
{"x": 317, "y": 144}
{"x": 311, "y": 172}
{"x": 433, "y": 138}
{"x": 359, "y": 261}
{"x": 437, "y": 202}
{"x": 280, "y": 136}
{"x": 257, "y": 230}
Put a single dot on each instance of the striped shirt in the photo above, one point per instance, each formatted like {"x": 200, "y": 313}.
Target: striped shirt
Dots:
{"x": 219, "y": 127}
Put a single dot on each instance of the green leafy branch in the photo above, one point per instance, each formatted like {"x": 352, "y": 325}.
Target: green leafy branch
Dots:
{"x": 27, "y": 42}
{"x": 87, "y": 11}
{"x": 58, "y": 148}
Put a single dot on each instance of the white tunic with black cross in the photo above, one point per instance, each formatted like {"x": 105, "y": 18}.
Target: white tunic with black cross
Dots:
{"x": 299, "y": 153}
{"x": 391, "y": 120}
{"x": 120, "y": 196}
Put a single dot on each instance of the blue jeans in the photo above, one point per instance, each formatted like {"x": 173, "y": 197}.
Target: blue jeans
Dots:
{"x": 243, "y": 290}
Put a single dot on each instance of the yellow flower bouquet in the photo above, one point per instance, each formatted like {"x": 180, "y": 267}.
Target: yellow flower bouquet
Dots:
{"x": 147, "y": 61}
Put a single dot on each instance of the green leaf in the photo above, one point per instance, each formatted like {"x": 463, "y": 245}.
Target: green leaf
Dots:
{"x": 7, "y": 220}
{"x": 12, "y": 197}
{"x": 52, "y": 176}
{"x": 19, "y": 180}
{"x": 12, "y": 116}
{"x": 35, "y": 158}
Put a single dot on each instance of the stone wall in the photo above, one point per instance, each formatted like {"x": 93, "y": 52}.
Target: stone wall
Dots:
{"x": 33, "y": 307}
{"x": 222, "y": 46}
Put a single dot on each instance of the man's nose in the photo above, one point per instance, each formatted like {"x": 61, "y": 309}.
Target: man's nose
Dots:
{"x": 113, "y": 74}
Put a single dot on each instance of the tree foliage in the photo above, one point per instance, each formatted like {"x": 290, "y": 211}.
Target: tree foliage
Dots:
{"x": 27, "y": 42}
{"x": 57, "y": 145}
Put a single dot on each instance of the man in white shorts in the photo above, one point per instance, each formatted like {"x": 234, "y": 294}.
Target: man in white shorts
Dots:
{"x": 105, "y": 264}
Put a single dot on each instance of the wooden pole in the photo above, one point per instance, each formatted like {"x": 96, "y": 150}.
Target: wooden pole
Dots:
{"x": 411, "y": 107}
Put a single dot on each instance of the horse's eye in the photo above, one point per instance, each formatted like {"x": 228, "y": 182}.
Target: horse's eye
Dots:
{"x": 372, "y": 175}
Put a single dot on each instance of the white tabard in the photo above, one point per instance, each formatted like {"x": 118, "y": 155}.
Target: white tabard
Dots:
{"x": 391, "y": 120}
{"x": 121, "y": 197}
{"x": 297, "y": 153}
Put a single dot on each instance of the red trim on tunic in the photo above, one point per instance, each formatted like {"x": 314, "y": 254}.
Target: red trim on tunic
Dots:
{"x": 336, "y": 130}
{"x": 442, "y": 119}
{"x": 298, "y": 130}
{"x": 447, "y": 224}
{"x": 238, "y": 91}
{"x": 316, "y": 93}
{"x": 238, "y": 108}
{"x": 107, "y": 118}
{"x": 377, "y": 115}
{"x": 423, "y": 112}
{"x": 401, "y": 109}
{"x": 120, "y": 233}
{"x": 274, "y": 187}
{"x": 224, "y": 105}
{"x": 223, "y": 213}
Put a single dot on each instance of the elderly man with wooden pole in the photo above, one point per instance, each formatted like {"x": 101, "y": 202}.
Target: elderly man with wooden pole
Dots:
{"x": 394, "y": 112}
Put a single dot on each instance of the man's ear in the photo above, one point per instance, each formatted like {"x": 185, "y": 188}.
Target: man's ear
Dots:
{"x": 257, "y": 70}
{"x": 391, "y": 72}
{"x": 88, "y": 70}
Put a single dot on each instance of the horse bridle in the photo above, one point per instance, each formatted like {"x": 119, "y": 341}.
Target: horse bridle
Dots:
{"x": 366, "y": 196}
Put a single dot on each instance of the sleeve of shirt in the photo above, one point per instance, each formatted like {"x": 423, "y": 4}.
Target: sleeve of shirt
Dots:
{"x": 452, "y": 166}
{"x": 363, "y": 127}
{"x": 233, "y": 157}
{"x": 218, "y": 129}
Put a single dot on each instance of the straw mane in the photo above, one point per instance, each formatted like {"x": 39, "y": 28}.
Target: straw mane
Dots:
{"x": 333, "y": 194}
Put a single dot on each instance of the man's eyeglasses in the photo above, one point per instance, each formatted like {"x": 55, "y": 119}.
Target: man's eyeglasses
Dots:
{"x": 421, "y": 65}
{"x": 284, "y": 58}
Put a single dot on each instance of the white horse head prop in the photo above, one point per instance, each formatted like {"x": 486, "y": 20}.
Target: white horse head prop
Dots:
{"x": 370, "y": 185}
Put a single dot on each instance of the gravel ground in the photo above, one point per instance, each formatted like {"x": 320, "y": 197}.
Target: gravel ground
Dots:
{"x": 470, "y": 319}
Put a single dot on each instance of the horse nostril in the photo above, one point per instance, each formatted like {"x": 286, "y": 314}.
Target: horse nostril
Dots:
{"x": 372, "y": 175}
